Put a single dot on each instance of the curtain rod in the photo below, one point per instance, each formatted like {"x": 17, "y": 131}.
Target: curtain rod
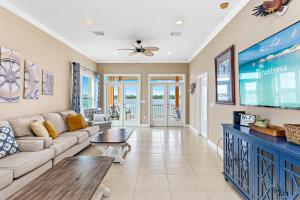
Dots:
{"x": 87, "y": 69}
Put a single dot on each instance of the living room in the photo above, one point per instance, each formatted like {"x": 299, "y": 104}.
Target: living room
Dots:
{"x": 145, "y": 100}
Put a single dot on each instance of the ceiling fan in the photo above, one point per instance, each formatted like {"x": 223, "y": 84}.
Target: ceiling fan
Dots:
{"x": 138, "y": 48}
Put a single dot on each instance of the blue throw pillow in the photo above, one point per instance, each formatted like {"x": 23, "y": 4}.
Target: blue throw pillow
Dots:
{"x": 8, "y": 143}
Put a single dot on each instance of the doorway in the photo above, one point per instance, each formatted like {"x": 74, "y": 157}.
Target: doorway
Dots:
{"x": 202, "y": 105}
{"x": 167, "y": 101}
{"x": 122, "y": 99}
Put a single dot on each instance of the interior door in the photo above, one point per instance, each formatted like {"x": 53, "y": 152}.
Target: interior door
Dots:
{"x": 174, "y": 104}
{"x": 158, "y": 105}
{"x": 131, "y": 105}
{"x": 203, "y": 106}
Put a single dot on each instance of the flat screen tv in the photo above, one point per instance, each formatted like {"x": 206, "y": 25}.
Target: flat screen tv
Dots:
{"x": 269, "y": 72}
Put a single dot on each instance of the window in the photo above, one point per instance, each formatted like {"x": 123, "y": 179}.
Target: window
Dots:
{"x": 87, "y": 91}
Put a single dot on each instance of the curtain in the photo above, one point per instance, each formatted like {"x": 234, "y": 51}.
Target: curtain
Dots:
{"x": 75, "y": 102}
{"x": 97, "y": 90}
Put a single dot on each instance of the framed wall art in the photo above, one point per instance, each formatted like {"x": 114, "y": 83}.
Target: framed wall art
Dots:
{"x": 48, "y": 82}
{"x": 225, "y": 80}
{"x": 31, "y": 80}
{"x": 9, "y": 76}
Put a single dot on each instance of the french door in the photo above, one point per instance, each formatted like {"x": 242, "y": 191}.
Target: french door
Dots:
{"x": 167, "y": 104}
{"x": 123, "y": 103}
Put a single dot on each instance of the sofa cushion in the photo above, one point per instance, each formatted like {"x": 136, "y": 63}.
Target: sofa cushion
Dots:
{"x": 62, "y": 144}
{"x": 64, "y": 114}
{"x": 76, "y": 122}
{"x": 92, "y": 130}
{"x": 21, "y": 125}
{"x": 8, "y": 144}
{"x": 30, "y": 145}
{"x": 57, "y": 121}
{"x": 24, "y": 162}
{"x": 80, "y": 135}
{"x": 6, "y": 177}
{"x": 46, "y": 140}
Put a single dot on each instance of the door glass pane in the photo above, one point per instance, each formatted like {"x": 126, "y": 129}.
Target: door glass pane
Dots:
{"x": 114, "y": 103}
{"x": 174, "y": 104}
{"x": 130, "y": 105}
{"x": 158, "y": 101}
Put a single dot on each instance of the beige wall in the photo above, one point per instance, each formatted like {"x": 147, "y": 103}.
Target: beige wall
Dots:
{"x": 243, "y": 31}
{"x": 35, "y": 45}
{"x": 144, "y": 70}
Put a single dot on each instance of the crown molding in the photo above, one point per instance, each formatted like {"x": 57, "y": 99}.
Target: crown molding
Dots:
{"x": 144, "y": 62}
{"x": 219, "y": 28}
{"x": 12, "y": 8}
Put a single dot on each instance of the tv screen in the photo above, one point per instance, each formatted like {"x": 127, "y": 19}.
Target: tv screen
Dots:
{"x": 269, "y": 72}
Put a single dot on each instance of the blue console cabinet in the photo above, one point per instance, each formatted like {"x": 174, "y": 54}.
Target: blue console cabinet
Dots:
{"x": 259, "y": 166}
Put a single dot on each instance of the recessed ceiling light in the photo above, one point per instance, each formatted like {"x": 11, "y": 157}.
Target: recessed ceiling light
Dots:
{"x": 88, "y": 21}
{"x": 169, "y": 52}
{"x": 179, "y": 22}
{"x": 224, "y": 5}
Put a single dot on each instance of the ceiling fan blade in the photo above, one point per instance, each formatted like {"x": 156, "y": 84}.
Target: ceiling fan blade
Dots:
{"x": 152, "y": 48}
{"x": 148, "y": 53}
{"x": 126, "y": 49}
{"x": 133, "y": 53}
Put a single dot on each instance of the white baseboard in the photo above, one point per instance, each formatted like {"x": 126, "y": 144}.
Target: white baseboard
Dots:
{"x": 193, "y": 129}
{"x": 215, "y": 148}
{"x": 209, "y": 142}
{"x": 145, "y": 125}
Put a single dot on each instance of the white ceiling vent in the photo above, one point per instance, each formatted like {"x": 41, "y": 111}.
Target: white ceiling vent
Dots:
{"x": 175, "y": 34}
{"x": 98, "y": 33}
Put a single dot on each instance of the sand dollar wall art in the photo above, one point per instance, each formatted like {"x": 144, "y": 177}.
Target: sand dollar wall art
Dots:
{"x": 9, "y": 75}
{"x": 31, "y": 80}
{"x": 48, "y": 82}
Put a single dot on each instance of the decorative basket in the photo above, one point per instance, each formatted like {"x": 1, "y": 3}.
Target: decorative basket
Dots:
{"x": 292, "y": 132}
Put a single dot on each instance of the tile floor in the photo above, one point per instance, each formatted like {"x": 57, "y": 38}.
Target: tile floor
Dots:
{"x": 167, "y": 164}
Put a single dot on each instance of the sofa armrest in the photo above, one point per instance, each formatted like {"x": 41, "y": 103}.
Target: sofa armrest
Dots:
{"x": 31, "y": 145}
{"x": 47, "y": 141}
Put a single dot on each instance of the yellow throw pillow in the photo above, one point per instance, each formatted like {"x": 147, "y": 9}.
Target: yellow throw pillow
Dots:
{"x": 51, "y": 129}
{"x": 39, "y": 129}
{"x": 76, "y": 122}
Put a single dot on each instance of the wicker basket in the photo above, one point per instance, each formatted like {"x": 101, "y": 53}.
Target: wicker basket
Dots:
{"x": 292, "y": 132}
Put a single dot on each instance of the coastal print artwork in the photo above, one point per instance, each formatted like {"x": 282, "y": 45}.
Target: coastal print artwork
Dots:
{"x": 9, "y": 76}
{"x": 48, "y": 82}
{"x": 269, "y": 71}
{"x": 31, "y": 80}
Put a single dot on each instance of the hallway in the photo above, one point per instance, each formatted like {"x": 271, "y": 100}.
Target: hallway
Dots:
{"x": 167, "y": 164}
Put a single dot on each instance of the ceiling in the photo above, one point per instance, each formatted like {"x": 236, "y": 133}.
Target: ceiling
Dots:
{"x": 124, "y": 21}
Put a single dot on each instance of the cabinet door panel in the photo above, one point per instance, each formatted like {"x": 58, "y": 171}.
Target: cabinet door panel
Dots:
{"x": 244, "y": 165}
{"x": 290, "y": 177}
{"x": 229, "y": 155}
{"x": 266, "y": 179}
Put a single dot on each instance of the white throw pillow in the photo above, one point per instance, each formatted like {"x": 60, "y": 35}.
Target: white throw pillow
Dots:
{"x": 99, "y": 117}
{"x": 39, "y": 129}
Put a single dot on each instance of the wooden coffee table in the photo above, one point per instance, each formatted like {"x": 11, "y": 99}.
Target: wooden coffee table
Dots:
{"x": 74, "y": 178}
{"x": 114, "y": 143}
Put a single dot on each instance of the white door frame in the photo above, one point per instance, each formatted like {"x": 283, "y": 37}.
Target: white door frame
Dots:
{"x": 183, "y": 92}
{"x": 139, "y": 93}
{"x": 198, "y": 113}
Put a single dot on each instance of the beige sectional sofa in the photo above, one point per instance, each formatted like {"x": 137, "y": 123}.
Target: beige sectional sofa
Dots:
{"x": 38, "y": 154}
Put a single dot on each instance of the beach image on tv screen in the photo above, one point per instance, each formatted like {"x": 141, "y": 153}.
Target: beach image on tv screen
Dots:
{"x": 269, "y": 72}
